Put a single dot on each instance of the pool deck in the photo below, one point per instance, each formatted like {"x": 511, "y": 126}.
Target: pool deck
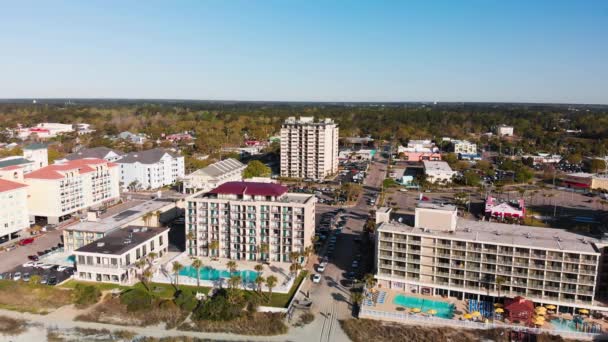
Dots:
{"x": 389, "y": 306}
{"x": 279, "y": 269}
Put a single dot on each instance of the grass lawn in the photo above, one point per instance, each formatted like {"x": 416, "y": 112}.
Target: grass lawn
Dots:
{"x": 34, "y": 298}
{"x": 70, "y": 284}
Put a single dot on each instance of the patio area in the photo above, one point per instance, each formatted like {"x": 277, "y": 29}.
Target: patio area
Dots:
{"x": 215, "y": 273}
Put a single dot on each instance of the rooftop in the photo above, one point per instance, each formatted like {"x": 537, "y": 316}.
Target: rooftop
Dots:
{"x": 55, "y": 171}
{"x": 120, "y": 219}
{"x": 436, "y": 165}
{"x": 580, "y": 175}
{"x": 6, "y": 185}
{"x": 122, "y": 240}
{"x": 35, "y": 146}
{"x": 220, "y": 168}
{"x": 436, "y": 206}
{"x": 250, "y": 188}
{"x": 94, "y": 152}
{"x": 145, "y": 157}
{"x": 308, "y": 120}
{"x": 506, "y": 235}
{"x": 12, "y": 161}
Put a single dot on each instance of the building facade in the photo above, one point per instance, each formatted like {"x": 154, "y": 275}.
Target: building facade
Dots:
{"x": 13, "y": 209}
{"x": 38, "y": 154}
{"x": 60, "y": 190}
{"x": 309, "y": 149}
{"x": 249, "y": 221}
{"x": 464, "y": 147}
{"x": 150, "y": 169}
{"x": 484, "y": 260}
{"x": 504, "y": 131}
{"x": 438, "y": 171}
{"x": 113, "y": 258}
{"x": 214, "y": 175}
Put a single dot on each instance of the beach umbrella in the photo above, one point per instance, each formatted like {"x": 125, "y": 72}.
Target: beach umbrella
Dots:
{"x": 540, "y": 313}
{"x": 539, "y": 321}
{"x": 540, "y": 308}
{"x": 432, "y": 312}
{"x": 551, "y": 307}
{"x": 583, "y": 311}
{"x": 499, "y": 310}
{"x": 467, "y": 316}
{"x": 416, "y": 310}
{"x": 476, "y": 314}
{"x": 498, "y": 305}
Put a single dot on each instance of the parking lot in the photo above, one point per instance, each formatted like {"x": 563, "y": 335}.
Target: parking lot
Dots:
{"x": 49, "y": 274}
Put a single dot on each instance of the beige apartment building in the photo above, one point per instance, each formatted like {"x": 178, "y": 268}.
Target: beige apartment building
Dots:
{"x": 309, "y": 149}
{"x": 58, "y": 191}
{"x": 113, "y": 258}
{"x": 442, "y": 254}
{"x": 249, "y": 221}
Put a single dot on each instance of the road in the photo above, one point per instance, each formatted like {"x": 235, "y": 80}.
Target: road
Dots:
{"x": 330, "y": 297}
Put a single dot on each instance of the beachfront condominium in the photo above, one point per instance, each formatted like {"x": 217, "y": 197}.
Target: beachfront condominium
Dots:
{"x": 309, "y": 149}
{"x": 58, "y": 191}
{"x": 441, "y": 254}
{"x": 249, "y": 221}
{"x": 113, "y": 258}
{"x": 13, "y": 209}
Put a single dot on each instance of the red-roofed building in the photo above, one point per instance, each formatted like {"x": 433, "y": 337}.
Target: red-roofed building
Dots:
{"x": 244, "y": 216}
{"x": 13, "y": 209}
{"x": 60, "y": 190}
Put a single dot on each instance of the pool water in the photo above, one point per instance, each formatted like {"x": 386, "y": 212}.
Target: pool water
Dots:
{"x": 71, "y": 259}
{"x": 563, "y": 325}
{"x": 209, "y": 273}
{"x": 444, "y": 310}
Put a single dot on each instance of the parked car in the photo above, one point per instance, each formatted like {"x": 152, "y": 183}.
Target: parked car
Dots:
{"x": 26, "y": 241}
{"x": 26, "y": 277}
{"x": 37, "y": 264}
{"x": 316, "y": 278}
{"x": 321, "y": 268}
{"x": 33, "y": 257}
{"x": 44, "y": 280}
{"x": 62, "y": 268}
{"x": 52, "y": 281}
{"x": 28, "y": 264}
{"x": 46, "y": 266}
{"x": 17, "y": 276}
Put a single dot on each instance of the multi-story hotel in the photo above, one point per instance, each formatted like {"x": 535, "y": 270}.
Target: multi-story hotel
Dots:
{"x": 113, "y": 258}
{"x": 309, "y": 149}
{"x": 250, "y": 221}
{"x": 150, "y": 169}
{"x": 13, "y": 209}
{"x": 58, "y": 191}
{"x": 444, "y": 255}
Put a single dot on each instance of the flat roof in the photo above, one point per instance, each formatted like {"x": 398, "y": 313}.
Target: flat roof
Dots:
{"x": 432, "y": 165}
{"x": 506, "y": 234}
{"x": 122, "y": 240}
{"x": 436, "y": 206}
{"x": 120, "y": 219}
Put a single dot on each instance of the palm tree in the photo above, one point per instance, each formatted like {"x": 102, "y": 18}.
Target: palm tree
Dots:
{"x": 234, "y": 281}
{"x": 356, "y": 298}
{"x": 308, "y": 251}
{"x": 157, "y": 214}
{"x": 369, "y": 280}
{"x": 499, "y": 281}
{"x": 146, "y": 217}
{"x": 145, "y": 276}
{"x": 264, "y": 249}
{"x": 231, "y": 265}
{"x": 259, "y": 268}
{"x": 271, "y": 282}
{"x": 197, "y": 264}
{"x": 259, "y": 281}
{"x": 214, "y": 246}
{"x": 176, "y": 268}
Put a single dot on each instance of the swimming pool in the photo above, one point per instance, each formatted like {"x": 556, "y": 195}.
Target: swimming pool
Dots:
{"x": 209, "y": 273}
{"x": 71, "y": 259}
{"x": 444, "y": 309}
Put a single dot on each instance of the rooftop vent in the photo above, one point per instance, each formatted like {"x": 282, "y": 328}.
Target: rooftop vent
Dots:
{"x": 101, "y": 244}
{"x": 126, "y": 241}
{"x": 527, "y": 235}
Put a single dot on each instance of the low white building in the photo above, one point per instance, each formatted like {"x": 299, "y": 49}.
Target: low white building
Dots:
{"x": 58, "y": 191}
{"x": 35, "y": 156}
{"x": 13, "y": 209}
{"x": 464, "y": 147}
{"x": 138, "y": 139}
{"x": 214, "y": 175}
{"x": 45, "y": 130}
{"x": 150, "y": 169}
{"x": 504, "y": 131}
{"x": 113, "y": 258}
{"x": 438, "y": 171}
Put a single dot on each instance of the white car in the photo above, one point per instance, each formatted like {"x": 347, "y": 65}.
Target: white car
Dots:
{"x": 17, "y": 276}
{"x": 321, "y": 268}
{"x": 62, "y": 268}
{"x": 46, "y": 266}
{"x": 316, "y": 278}
{"x": 28, "y": 264}
{"x": 37, "y": 264}
{"x": 323, "y": 263}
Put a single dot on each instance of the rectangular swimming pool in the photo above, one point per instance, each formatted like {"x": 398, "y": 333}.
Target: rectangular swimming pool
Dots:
{"x": 209, "y": 273}
{"x": 444, "y": 309}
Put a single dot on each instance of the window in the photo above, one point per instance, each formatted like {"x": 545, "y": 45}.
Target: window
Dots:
{"x": 160, "y": 240}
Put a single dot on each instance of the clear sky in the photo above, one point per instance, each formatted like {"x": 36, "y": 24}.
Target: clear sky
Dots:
{"x": 485, "y": 50}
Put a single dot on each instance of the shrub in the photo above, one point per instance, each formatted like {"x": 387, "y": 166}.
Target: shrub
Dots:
{"x": 218, "y": 308}
{"x": 186, "y": 300}
{"x": 136, "y": 300}
{"x": 85, "y": 294}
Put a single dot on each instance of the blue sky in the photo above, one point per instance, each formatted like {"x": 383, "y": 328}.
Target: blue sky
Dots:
{"x": 485, "y": 50}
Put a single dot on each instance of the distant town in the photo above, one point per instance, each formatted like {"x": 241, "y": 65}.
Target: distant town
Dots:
{"x": 282, "y": 220}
